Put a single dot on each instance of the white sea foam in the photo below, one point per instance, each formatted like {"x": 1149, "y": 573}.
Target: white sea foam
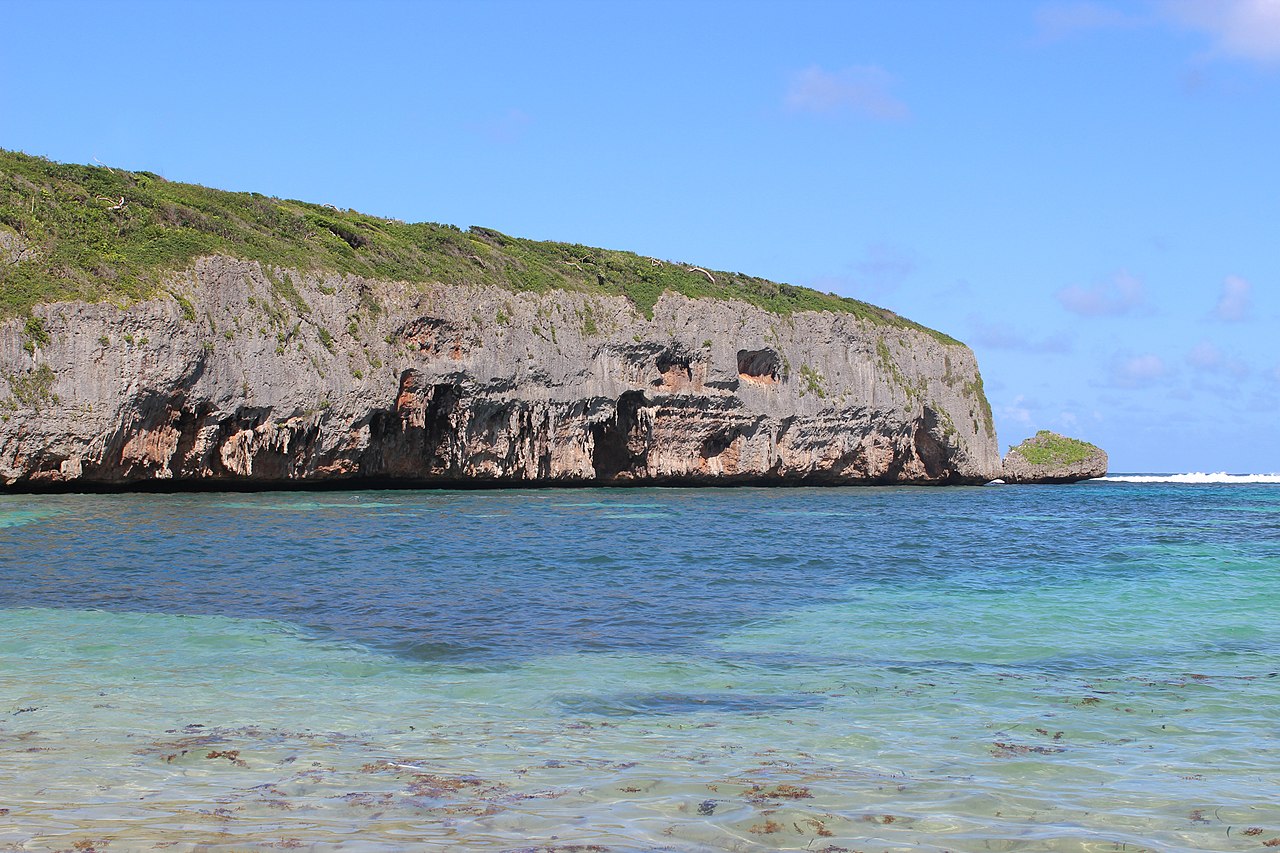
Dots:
{"x": 1194, "y": 477}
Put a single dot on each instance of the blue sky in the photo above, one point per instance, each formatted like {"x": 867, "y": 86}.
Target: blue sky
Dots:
{"x": 1087, "y": 193}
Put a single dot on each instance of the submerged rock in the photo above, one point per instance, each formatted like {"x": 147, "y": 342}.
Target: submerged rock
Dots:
{"x": 1048, "y": 457}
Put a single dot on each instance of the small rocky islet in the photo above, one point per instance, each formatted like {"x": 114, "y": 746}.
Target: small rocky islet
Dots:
{"x": 155, "y": 334}
{"x": 1048, "y": 457}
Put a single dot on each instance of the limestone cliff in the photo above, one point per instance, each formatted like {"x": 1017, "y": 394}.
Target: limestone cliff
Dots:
{"x": 246, "y": 374}
{"x": 156, "y": 332}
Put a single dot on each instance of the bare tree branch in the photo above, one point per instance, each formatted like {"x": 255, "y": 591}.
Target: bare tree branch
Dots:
{"x": 709, "y": 276}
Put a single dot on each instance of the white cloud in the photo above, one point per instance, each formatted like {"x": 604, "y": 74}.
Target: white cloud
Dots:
{"x": 1018, "y": 411}
{"x": 506, "y": 128}
{"x": 861, "y": 90}
{"x": 1122, "y": 295}
{"x": 1207, "y": 357}
{"x": 885, "y": 267}
{"x": 1247, "y": 30}
{"x": 1235, "y": 301}
{"x": 1056, "y": 21}
{"x": 1138, "y": 370}
{"x": 1008, "y": 337}
{"x": 1241, "y": 29}
{"x": 881, "y": 271}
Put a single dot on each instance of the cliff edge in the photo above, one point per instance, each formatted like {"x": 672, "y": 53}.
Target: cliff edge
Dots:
{"x": 166, "y": 334}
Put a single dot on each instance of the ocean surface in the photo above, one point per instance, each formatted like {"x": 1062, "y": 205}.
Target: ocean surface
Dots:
{"x": 1093, "y": 668}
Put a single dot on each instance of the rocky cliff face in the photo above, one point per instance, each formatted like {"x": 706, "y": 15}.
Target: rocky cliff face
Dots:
{"x": 248, "y": 375}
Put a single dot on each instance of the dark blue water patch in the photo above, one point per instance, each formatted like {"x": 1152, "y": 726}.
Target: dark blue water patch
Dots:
{"x": 452, "y": 577}
{"x": 667, "y": 704}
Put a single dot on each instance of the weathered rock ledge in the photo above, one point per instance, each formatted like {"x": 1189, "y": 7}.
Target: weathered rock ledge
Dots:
{"x": 248, "y": 376}
{"x": 1048, "y": 457}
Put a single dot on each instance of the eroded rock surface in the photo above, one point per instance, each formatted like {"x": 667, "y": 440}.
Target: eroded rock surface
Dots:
{"x": 253, "y": 376}
{"x": 1048, "y": 457}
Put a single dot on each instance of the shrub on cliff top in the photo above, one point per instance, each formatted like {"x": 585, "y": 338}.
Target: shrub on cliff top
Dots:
{"x": 1049, "y": 448}
{"x": 94, "y": 233}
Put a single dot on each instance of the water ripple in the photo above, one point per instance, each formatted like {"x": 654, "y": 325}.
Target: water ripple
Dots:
{"x": 1089, "y": 668}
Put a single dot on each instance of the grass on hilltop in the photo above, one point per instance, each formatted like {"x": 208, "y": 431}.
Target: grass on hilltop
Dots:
{"x": 1049, "y": 448}
{"x": 78, "y": 246}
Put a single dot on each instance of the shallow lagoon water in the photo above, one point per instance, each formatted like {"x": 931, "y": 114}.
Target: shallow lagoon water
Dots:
{"x": 1086, "y": 668}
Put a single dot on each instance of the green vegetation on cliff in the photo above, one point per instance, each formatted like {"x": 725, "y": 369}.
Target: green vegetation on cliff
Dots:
{"x": 1049, "y": 448}
{"x": 94, "y": 233}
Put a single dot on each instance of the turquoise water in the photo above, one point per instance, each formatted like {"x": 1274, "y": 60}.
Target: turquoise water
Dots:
{"x": 1087, "y": 668}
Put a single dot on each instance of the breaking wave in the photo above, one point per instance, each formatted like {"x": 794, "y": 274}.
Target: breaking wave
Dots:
{"x": 1194, "y": 477}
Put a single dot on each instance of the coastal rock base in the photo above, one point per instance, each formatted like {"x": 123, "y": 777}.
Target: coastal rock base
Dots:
{"x": 248, "y": 376}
